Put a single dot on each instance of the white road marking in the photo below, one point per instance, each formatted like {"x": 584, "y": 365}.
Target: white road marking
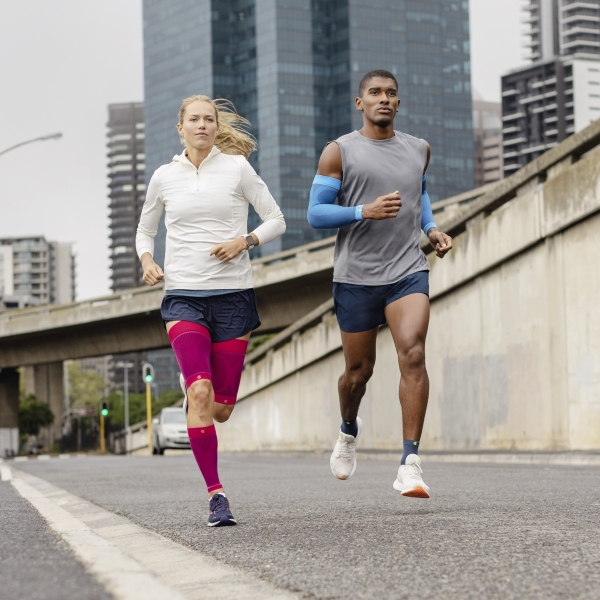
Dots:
{"x": 134, "y": 561}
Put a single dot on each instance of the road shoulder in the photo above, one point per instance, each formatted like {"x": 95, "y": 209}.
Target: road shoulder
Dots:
{"x": 131, "y": 561}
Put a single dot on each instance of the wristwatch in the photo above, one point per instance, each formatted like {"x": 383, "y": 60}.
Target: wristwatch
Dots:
{"x": 249, "y": 240}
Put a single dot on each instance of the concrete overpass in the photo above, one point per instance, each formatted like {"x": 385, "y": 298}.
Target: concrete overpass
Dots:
{"x": 493, "y": 227}
{"x": 288, "y": 285}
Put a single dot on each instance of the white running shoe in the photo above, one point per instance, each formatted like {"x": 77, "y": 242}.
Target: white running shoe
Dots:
{"x": 184, "y": 390}
{"x": 343, "y": 460}
{"x": 409, "y": 481}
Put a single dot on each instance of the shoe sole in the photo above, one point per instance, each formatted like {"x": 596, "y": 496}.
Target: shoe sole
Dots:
{"x": 417, "y": 492}
{"x": 223, "y": 523}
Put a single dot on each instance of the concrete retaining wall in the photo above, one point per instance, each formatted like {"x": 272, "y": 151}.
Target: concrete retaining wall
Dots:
{"x": 513, "y": 350}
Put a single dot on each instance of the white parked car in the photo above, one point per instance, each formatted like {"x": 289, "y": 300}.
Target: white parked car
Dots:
{"x": 169, "y": 430}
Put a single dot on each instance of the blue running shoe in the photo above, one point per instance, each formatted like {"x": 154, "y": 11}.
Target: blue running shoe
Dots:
{"x": 220, "y": 515}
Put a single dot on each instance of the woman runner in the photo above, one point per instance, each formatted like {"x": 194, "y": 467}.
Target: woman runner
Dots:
{"x": 209, "y": 308}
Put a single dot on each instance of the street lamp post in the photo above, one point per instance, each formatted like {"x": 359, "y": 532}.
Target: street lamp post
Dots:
{"x": 52, "y": 136}
{"x": 126, "y": 366}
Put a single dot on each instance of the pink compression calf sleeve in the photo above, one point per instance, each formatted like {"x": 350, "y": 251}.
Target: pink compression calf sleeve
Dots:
{"x": 191, "y": 345}
{"x": 204, "y": 446}
{"x": 226, "y": 365}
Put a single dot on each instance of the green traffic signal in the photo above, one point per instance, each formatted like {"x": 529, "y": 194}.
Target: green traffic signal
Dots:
{"x": 147, "y": 373}
{"x": 104, "y": 409}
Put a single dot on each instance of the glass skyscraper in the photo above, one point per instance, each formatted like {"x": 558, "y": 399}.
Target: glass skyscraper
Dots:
{"x": 292, "y": 67}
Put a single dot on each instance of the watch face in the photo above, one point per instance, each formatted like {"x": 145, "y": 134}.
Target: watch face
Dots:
{"x": 250, "y": 240}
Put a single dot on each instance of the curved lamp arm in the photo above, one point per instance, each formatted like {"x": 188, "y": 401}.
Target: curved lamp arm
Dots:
{"x": 53, "y": 136}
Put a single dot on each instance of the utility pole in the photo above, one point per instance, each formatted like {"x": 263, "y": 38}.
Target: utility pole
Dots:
{"x": 126, "y": 366}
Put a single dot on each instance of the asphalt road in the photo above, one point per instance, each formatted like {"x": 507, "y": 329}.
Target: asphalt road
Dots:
{"x": 34, "y": 562}
{"x": 489, "y": 531}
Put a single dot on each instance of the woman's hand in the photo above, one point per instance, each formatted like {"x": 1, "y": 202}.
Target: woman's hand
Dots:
{"x": 229, "y": 250}
{"x": 152, "y": 272}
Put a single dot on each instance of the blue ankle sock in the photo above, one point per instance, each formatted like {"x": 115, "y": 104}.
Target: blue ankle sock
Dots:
{"x": 350, "y": 427}
{"x": 410, "y": 447}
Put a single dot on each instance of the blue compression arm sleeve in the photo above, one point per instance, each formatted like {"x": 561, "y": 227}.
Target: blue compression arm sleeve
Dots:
{"x": 322, "y": 212}
{"x": 427, "y": 221}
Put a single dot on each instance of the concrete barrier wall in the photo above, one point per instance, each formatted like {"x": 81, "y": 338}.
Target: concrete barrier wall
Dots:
{"x": 134, "y": 443}
{"x": 513, "y": 351}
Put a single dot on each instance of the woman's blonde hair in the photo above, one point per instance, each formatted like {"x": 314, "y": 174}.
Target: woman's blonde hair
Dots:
{"x": 233, "y": 136}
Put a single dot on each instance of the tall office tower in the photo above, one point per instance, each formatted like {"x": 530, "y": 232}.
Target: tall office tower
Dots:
{"x": 559, "y": 92}
{"x": 127, "y": 190}
{"x": 293, "y": 69}
{"x": 127, "y": 193}
{"x": 562, "y": 27}
{"x": 34, "y": 271}
{"x": 487, "y": 135}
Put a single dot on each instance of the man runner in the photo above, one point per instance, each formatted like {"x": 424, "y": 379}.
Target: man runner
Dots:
{"x": 380, "y": 273}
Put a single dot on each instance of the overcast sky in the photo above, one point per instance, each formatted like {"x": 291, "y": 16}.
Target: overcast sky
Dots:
{"x": 63, "y": 61}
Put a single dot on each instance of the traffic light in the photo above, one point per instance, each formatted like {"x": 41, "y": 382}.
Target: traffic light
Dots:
{"x": 104, "y": 409}
{"x": 148, "y": 377}
{"x": 148, "y": 373}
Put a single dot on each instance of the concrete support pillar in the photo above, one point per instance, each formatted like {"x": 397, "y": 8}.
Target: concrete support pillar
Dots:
{"x": 46, "y": 382}
{"x": 9, "y": 412}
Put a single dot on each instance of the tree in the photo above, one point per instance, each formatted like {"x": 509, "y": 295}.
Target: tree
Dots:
{"x": 85, "y": 388}
{"x": 34, "y": 415}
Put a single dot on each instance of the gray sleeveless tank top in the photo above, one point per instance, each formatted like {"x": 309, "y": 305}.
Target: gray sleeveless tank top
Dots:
{"x": 372, "y": 252}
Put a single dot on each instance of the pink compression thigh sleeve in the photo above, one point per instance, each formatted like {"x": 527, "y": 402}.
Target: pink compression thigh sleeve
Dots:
{"x": 205, "y": 446}
{"x": 226, "y": 364}
{"x": 191, "y": 344}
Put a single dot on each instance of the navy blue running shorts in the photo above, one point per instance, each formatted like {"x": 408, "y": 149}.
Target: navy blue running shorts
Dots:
{"x": 362, "y": 307}
{"x": 226, "y": 316}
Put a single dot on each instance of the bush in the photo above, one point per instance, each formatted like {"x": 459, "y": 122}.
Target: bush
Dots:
{"x": 33, "y": 415}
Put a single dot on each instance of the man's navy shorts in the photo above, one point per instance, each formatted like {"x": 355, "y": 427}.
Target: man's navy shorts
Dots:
{"x": 226, "y": 316}
{"x": 362, "y": 307}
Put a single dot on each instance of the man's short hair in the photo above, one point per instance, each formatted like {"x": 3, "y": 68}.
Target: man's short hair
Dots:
{"x": 371, "y": 75}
